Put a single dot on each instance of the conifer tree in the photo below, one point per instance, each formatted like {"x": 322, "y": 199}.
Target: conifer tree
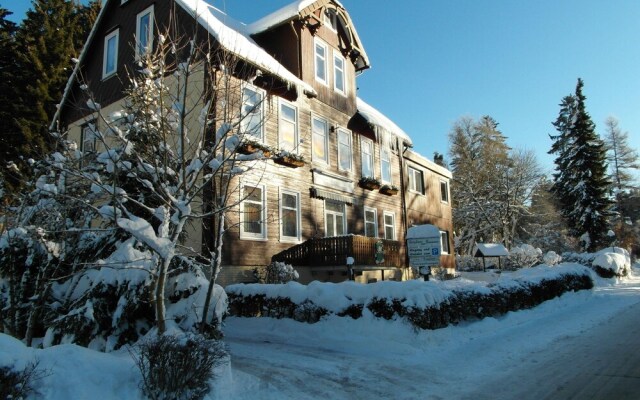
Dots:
{"x": 581, "y": 181}
{"x": 620, "y": 156}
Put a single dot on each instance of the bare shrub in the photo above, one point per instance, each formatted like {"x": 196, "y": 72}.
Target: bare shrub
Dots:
{"x": 18, "y": 384}
{"x": 178, "y": 367}
{"x": 276, "y": 272}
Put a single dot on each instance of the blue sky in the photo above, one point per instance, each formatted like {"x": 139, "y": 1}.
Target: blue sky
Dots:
{"x": 434, "y": 61}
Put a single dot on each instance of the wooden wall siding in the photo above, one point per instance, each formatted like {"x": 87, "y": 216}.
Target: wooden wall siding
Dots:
{"x": 282, "y": 44}
{"x": 122, "y": 17}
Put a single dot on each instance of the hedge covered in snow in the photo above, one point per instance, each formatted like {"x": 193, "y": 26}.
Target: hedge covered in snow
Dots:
{"x": 426, "y": 305}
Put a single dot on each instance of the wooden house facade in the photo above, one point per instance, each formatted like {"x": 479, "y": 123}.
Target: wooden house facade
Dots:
{"x": 317, "y": 215}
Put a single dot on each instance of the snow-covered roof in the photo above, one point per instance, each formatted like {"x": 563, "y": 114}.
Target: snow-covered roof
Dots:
{"x": 490, "y": 250}
{"x": 378, "y": 119}
{"x": 233, "y": 36}
{"x": 280, "y": 16}
{"x": 423, "y": 231}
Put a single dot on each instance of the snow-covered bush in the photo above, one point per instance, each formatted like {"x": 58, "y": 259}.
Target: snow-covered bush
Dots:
{"x": 178, "y": 367}
{"x": 276, "y": 272}
{"x": 468, "y": 263}
{"x": 426, "y": 305}
{"x": 612, "y": 262}
{"x": 523, "y": 256}
{"x": 20, "y": 384}
{"x": 552, "y": 258}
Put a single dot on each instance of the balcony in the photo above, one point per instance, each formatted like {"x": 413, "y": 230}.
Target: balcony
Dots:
{"x": 333, "y": 251}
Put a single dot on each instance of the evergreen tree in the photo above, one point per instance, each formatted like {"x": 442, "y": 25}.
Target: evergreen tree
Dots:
{"x": 620, "y": 156}
{"x": 581, "y": 181}
{"x": 10, "y": 140}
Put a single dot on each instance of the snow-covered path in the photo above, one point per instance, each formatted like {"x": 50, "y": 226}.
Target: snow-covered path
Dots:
{"x": 345, "y": 359}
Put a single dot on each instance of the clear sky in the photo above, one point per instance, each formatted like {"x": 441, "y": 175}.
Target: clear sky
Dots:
{"x": 436, "y": 60}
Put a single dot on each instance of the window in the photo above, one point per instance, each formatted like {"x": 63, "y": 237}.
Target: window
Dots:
{"x": 252, "y": 212}
{"x": 321, "y": 62}
{"x": 367, "y": 157}
{"x": 385, "y": 164}
{"x": 110, "y": 56}
{"x": 144, "y": 32}
{"x": 370, "y": 222}
{"x": 335, "y": 221}
{"x": 389, "y": 225}
{"x": 444, "y": 242}
{"x": 344, "y": 150}
{"x": 288, "y": 127}
{"x": 444, "y": 191}
{"x": 416, "y": 182}
{"x": 88, "y": 138}
{"x": 289, "y": 215}
{"x": 252, "y": 116}
{"x": 339, "y": 83}
{"x": 320, "y": 140}
{"x": 330, "y": 19}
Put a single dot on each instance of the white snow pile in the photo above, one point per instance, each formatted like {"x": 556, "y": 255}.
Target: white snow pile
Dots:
{"x": 524, "y": 256}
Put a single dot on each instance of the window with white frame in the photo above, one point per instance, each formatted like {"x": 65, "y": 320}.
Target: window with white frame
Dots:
{"x": 370, "y": 222}
{"x": 288, "y": 127}
{"x": 253, "y": 212}
{"x": 389, "y": 225}
{"x": 321, "y": 50}
{"x": 335, "y": 218}
{"x": 339, "y": 82}
{"x": 385, "y": 164}
{"x": 88, "y": 140}
{"x": 320, "y": 139}
{"x": 366, "y": 150}
{"x": 110, "y": 56}
{"x": 444, "y": 242}
{"x": 416, "y": 180}
{"x": 290, "y": 215}
{"x": 252, "y": 118}
{"x": 444, "y": 191}
{"x": 344, "y": 150}
{"x": 330, "y": 19}
{"x": 144, "y": 32}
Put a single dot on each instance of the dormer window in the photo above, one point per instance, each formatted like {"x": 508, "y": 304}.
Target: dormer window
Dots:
{"x": 321, "y": 62}
{"x": 331, "y": 19}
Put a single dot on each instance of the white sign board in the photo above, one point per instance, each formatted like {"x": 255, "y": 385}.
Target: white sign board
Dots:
{"x": 423, "y": 246}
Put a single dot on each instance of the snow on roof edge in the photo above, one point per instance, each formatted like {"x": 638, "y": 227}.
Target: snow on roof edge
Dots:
{"x": 375, "y": 117}
{"x": 239, "y": 43}
{"x": 492, "y": 249}
{"x": 280, "y": 16}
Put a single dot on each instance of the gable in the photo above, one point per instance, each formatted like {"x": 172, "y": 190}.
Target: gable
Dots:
{"x": 310, "y": 13}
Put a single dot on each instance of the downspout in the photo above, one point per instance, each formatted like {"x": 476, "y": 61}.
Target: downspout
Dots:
{"x": 403, "y": 197}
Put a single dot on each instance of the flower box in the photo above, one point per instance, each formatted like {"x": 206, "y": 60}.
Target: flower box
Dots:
{"x": 289, "y": 161}
{"x": 252, "y": 147}
{"x": 369, "y": 183}
{"x": 389, "y": 190}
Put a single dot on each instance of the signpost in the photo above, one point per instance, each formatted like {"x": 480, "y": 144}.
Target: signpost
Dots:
{"x": 423, "y": 246}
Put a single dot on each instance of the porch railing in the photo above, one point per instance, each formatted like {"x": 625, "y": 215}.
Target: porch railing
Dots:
{"x": 333, "y": 251}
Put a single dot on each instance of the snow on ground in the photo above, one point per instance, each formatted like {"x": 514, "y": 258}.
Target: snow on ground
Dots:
{"x": 341, "y": 358}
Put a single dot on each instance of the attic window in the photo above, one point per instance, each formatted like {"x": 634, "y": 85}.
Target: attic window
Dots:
{"x": 144, "y": 32}
{"x": 331, "y": 19}
{"x": 110, "y": 54}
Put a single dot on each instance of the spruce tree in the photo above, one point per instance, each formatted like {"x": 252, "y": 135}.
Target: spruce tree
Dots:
{"x": 581, "y": 181}
{"x": 10, "y": 140}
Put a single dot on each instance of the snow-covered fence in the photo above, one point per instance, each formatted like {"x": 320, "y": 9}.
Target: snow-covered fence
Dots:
{"x": 426, "y": 305}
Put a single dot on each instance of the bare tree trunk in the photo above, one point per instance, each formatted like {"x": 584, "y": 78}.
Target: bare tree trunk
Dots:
{"x": 216, "y": 266}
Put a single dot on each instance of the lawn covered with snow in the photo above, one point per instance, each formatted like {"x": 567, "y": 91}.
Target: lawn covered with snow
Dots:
{"x": 346, "y": 358}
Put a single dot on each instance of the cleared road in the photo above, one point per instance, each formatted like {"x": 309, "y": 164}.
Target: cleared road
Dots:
{"x": 600, "y": 363}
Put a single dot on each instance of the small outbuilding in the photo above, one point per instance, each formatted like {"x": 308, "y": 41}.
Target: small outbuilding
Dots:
{"x": 490, "y": 250}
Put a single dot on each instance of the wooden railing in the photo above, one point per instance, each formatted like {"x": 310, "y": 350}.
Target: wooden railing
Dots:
{"x": 333, "y": 251}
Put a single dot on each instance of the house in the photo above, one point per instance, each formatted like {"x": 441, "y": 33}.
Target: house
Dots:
{"x": 305, "y": 59}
